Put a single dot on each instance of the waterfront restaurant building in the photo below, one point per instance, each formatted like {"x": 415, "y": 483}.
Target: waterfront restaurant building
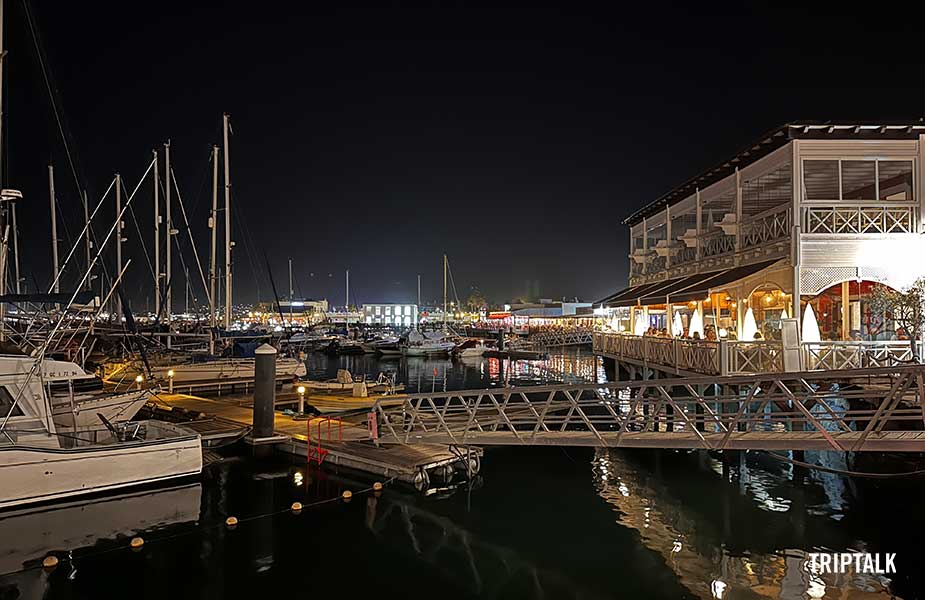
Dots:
{"x": 810, "y": 214}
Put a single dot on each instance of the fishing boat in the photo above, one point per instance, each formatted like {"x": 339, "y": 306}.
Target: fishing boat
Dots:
{"x": 42, "y": 461}
{"x": 77, "y": 398}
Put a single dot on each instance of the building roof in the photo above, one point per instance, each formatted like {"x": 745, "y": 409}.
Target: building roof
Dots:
{"x": 771, "y": 141}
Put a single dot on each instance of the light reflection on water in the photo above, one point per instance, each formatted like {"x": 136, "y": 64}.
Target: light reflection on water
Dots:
{"x": 425, "y": 375}
{"x": 696, "y": 551}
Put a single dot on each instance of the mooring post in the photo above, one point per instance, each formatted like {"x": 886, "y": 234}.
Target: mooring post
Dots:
{"x": 264, "y": 391}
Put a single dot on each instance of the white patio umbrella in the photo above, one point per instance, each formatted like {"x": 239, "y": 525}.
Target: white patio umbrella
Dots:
{"x": 749, "y": 326}
{"x": 641, "y": 325}
{"x": 784, "y": 315}
{"x": 677, "y": 327}
{"x": 696, "y": 324}
{"x": 810, "y": 330}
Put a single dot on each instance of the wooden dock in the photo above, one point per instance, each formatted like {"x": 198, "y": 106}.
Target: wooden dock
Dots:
{"x": 348, "y": 446}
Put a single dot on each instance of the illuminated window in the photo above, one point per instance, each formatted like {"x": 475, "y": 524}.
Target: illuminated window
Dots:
{"x": 378, "y": 310}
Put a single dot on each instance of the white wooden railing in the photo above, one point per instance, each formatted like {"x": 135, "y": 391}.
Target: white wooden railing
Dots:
{"x": 859, "y": 218}
{"x": 729, "y": 357}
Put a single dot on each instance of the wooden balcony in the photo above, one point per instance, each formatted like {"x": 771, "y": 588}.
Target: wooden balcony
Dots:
{"x": 728, "y": 357}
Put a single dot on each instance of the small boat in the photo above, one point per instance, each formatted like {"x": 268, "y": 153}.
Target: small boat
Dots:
{"x": 91, "y": 460}
{"x": 474, "y": 351}
{"x": 423, "y": 345}
{"x": 335, "y": 403}
{"x": 345, "y": 382}
{"x": 217, "y": 369}
{"x": 42, "y": 461}
{"x": 77, "y": 398}
{"x": 429, "y": 348}
{"x": 392, "y": 349}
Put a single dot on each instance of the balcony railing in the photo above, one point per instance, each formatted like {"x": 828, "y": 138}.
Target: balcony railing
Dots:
{"x": 729, "y": 357}
{"x": 859, "y": 219}
{"x": 769, "y": 226}
{"x": 717, "y": 243}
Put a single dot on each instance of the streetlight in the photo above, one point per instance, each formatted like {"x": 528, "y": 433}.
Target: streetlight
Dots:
{"x": 301, "y": 390}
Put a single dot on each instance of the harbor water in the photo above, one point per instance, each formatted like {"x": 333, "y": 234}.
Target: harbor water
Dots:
{"x": 537, "y": 523}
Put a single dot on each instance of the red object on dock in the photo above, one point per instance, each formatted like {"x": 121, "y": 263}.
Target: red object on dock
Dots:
{"x": 318, "y": 453}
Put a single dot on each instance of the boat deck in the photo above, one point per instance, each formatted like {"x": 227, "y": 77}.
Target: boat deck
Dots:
{"x": 355, "y": 450}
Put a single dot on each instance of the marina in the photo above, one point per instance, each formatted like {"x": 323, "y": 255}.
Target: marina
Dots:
{"x": 372, "y": 301}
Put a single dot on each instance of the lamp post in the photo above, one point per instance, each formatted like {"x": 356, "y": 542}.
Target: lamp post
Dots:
{"x": 138, "y": 380}
{"x": 170, "y": 381}
{"x": 301, "y": 390}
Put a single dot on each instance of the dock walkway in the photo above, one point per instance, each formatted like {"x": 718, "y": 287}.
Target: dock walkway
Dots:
{"x": 412, "y": 464}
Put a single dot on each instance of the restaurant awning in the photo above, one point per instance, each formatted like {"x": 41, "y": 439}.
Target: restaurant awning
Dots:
{"x": 681, "y": 289}
{"x": 631, "y": 295}
{"x": 715, "y": 279}
{"x": 660, "y": 296}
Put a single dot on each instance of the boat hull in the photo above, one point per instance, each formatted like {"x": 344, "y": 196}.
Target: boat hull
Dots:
{"x": 217, "y": 370}
{"x": 33, "y": 472}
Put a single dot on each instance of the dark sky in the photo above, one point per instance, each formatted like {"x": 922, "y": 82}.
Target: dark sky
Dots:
{"x": 514, "y": 139}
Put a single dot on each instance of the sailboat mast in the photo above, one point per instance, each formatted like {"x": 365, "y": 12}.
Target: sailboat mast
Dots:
{"x": 87, "y": 243}
{"x": 227, "y": 225}
{"x": 419, "y": 301}
{"x": 213, "y": 225}
{"x": 444, "y": 293}
{"x": 168, "y": 288}
{"x": 290, "y": 292}
{"x": 118, "y": 240}
{"x": 157, "y": 239}
{"x": 16, "y": 250}
{"x": 347, "y": 307}
{"x": 54, "y": 227}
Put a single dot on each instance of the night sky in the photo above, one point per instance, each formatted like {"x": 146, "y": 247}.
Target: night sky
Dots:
{"x": 513, "y": 139}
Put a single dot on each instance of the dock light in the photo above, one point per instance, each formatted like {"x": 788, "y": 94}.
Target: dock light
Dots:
{"x": 170, "y": 373}
{"x": 139, "y": 379}
{"x": 723, "y": 332}
{"x": 301, "y": 390}
{"x": 170, "y": 381}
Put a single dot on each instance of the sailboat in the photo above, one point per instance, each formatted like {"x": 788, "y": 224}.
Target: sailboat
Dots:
{"x": 210, "y": 368}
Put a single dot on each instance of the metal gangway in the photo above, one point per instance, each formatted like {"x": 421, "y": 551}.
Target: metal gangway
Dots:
{"x": 848, "y": 410}
{"x": 570, "y": 336}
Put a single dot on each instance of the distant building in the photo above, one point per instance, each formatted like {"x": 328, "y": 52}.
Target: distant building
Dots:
{"x": 546, "y": 307}
{"x": 393, "y": 315}
{"x": 301, "y": 312}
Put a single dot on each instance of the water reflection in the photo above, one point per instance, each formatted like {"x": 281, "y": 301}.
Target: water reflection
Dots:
{"x": 427, "y": 374}
{"x": 76, "y": 529}
{"x": 711, "y": 545}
